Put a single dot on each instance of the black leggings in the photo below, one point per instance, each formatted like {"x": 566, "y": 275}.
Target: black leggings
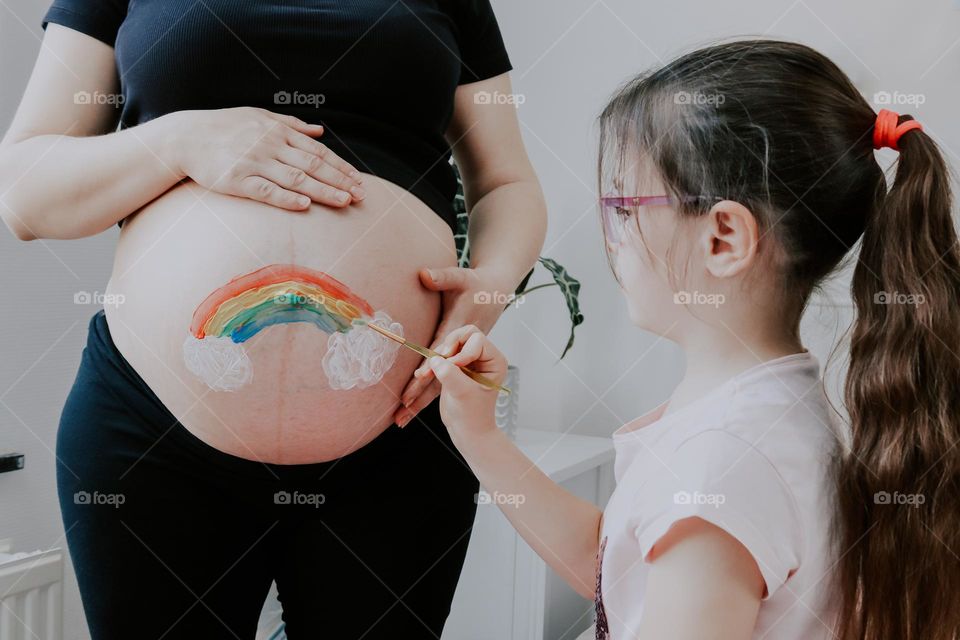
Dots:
{"x": 172, "y": 538}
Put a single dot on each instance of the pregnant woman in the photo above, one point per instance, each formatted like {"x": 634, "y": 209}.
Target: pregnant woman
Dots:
{"x": 280, "y": 171}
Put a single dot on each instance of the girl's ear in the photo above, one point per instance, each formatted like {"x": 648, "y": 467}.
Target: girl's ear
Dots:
{"x": 731, "y": 236}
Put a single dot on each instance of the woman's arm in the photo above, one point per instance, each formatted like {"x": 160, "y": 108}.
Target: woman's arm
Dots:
{"x": 63, "y": 175}
{"x": 508, "y": 213}
{"x": 59, "y": 176}
{"x": 562, "y": 528}
{"x": 508, "y": 221}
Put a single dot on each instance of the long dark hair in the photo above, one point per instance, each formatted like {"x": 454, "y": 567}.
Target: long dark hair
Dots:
{"x": 779, "y": 128}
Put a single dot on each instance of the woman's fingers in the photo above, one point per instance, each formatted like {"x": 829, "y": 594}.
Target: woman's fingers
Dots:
{"x": 405, "y": 414}
{"x": 304, "y": 142}
{"x": 263, "y": 190}
{"x": 321, "y": 171}
{"x": 295, "y": 179}
{"x": 295, "y": 123}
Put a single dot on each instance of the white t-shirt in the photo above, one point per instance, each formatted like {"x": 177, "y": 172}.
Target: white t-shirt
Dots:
{"x": 752, "y": 457}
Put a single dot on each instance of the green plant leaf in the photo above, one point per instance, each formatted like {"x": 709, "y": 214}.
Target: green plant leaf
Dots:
{"x": 570, "y": 287}
{"x": 460, "y": 236}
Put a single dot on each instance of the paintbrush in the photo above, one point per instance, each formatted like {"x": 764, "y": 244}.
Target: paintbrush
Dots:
{"x": 429, "y": 353}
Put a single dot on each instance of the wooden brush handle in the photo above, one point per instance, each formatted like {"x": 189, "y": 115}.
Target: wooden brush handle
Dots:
{"x": 484, "y": 380}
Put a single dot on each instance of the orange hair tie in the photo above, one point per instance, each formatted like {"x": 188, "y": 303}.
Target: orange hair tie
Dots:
{"x": 886, "y": 131}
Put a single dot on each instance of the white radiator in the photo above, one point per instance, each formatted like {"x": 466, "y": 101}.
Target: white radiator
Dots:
{"x": 31, "y": 597}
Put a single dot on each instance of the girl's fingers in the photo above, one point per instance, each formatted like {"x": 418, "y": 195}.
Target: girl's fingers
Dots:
{"x": 471, "y": 351}
{"x": 445, "y": 347}
{"x": 423, "y": 371}
{"x": 303, "y": 142}
{"x": 449, "y": 346}
{"x": 440, "y": 346}
{"x": 453, "y": 340}
{"x": 263, "y": 190}
{"x": 321, "y": 171}
{"x": 296, "y": 179}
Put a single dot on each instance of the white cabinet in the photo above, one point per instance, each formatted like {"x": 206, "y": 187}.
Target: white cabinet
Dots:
{"x": 506, "y": 591}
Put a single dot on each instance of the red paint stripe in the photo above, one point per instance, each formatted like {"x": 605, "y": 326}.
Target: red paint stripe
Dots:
{"x": 273, "y": 274}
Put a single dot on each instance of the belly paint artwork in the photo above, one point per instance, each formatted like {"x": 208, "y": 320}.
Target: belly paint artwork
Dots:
{"x": 284, "y": 293}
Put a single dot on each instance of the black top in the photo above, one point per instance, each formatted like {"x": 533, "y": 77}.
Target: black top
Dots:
{"x": 380, "y": 75}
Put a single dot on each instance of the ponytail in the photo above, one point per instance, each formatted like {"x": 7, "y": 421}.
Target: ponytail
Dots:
{"x": 898, "y": 497}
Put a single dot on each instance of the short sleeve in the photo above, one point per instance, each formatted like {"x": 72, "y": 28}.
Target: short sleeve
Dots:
{"x": 722, "y": 479}
{"x": 99, "y": 19}
{"x": 482, "y": 52}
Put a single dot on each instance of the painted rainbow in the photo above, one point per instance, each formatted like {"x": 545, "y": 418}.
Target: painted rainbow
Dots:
{"x": 278, "y": 294}
{"x": 273, "y": 295}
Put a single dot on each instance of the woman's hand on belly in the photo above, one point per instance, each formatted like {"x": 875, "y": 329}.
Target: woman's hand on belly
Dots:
{"x": 470, "y": 297}
{"x": 264, "y": 156}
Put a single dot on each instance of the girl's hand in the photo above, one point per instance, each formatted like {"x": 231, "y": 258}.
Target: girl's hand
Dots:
{"x": 466, "y": 406}
{"x": 470, "y": 296}
{"x": 261, "y": 155}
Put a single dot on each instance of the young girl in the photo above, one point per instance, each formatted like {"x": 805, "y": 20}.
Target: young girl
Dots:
{"x": 744, "y": 173}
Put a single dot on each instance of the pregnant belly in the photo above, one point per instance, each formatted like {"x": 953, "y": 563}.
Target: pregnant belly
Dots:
{"x": 240, "y": 316}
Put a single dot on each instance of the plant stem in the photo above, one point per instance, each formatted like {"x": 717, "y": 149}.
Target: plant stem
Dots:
{"x": 539, "y": 286}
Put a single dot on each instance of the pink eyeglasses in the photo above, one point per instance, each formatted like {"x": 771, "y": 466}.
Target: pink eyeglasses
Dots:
{"x": 617, "y": 210}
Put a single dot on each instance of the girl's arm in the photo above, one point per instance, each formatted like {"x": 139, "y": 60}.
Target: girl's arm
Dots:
{"x": 703, "y": 583}
{"x": 562, "y": 528}
{"x": 63, "y": 174}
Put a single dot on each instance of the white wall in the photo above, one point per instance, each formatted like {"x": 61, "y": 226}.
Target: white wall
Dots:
{"x": 568, "y": 57}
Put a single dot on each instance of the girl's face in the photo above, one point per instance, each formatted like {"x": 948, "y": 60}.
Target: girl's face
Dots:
{"x": 654, "y": 253}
